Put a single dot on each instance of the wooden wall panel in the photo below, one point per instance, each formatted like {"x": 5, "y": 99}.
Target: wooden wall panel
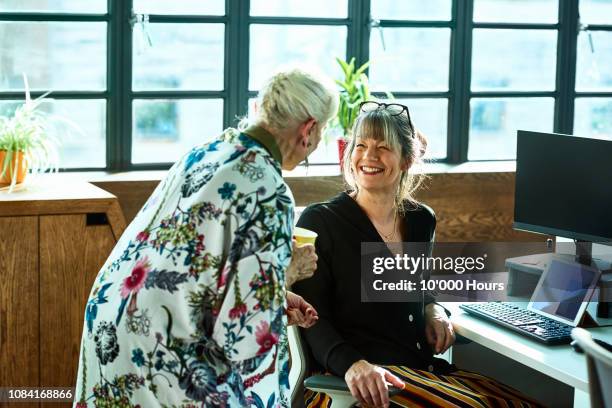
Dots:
{"x": 469, "y": 206}
{"x": 473, "y": 207}
{"x": 308, "y": 190}
{"x": 131, "y": 194}
{"x": 19, "y": 303}
{"x": 71, "y": 254}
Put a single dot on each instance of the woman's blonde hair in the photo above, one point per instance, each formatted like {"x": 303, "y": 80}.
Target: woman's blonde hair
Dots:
{"x": 293, "y": 96}
{"x": 400, "y": 135}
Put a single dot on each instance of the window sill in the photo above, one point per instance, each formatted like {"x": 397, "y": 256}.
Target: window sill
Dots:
{"x": 310, "y": 172}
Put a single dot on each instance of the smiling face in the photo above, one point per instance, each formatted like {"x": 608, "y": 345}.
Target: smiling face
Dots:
{"x": 376, "y": 166}
{"x": 379, "y": 158}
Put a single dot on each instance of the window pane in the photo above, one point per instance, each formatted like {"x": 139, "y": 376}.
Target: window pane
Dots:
{"x": 593, "y": 117}
{"x": 65, "y": 6}
{"x": 55, "y": 56}
{"x": 300, "y": 8}
{"x": 327, "y": 151}
{"x": 411, "y": 59}
{"x": 208, "y": 7}
{"x": 273, "y": 46}
{"x": 514, "y": 60}
{"x": 82, "y": 136}
{"x": 182, "y": 56}
{"x": 516, "y": 11}
{"x": 494, "y": 122}
{"x": 594, "y": 65}
{"x": 595, "y": 11}
{"x": 430, "y": 117}
{"x": 163, "y": 130}
{"x": 439, "y": 10}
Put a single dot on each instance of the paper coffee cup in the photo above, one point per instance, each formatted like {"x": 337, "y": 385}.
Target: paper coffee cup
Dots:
{"x": 304, "y": 236}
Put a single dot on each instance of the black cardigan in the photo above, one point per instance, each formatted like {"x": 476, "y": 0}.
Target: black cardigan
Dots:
{"x": 349, "y": 330}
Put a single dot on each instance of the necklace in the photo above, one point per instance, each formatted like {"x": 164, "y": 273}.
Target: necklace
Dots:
{"x": 387, "y": 237}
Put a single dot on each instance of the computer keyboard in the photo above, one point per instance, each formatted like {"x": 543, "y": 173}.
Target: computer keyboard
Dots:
{"x": 523, "y": 321}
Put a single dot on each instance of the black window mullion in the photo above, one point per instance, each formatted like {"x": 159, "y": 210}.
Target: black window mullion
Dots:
{"x": 566, "y": 66}
{"x": 177, "y": 94}
{"x": 243, "y": 60}
{"x": 414, "y": 23}
{"x": 414, "y": 95}
{"x": 517, "y": 26}
{"x": 236, "y": 69}
{"x": 161, "y": 18}
{"x": 53, "y": 17}
{"x": 459, "y": 84}
{"x": 358, "y": 31}
{"x": 113, "y": 55}
{"x": 297, "y": 20}
{"x": 119, "y": 74}
{"x": 128, "y": 94}
{"x": 599, "y": 94}
{"x": 599, "y": 27}
{"x": 513, "y": 94}
{"x": 56, "y": 95}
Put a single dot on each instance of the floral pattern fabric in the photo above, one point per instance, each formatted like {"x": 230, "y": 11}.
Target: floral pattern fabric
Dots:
{"x": 189, "y": 309}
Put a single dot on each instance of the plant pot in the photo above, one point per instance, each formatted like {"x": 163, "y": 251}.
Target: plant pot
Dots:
{"x": 22, "y": 168}
{"x": 342, "y": 142}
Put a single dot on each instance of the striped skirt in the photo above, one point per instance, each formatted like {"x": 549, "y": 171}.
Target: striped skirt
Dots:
{"x": 457, "y": 389}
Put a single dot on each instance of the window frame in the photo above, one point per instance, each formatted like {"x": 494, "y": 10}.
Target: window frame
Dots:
{"x": 574, "y": 94}
{"x": 562, "y": 64}
{"x": 54, "y": 17}
{"x": 235, "y": 93}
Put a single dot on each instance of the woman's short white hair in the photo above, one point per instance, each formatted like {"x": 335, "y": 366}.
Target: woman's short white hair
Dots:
{"x": 293, "y": 96}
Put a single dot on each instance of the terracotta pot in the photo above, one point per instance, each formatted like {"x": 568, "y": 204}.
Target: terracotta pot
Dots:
{"x": 22, "y": 168}
{"x": 342, "y": 142}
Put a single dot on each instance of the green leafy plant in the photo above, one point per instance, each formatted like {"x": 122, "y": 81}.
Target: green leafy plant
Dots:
{"x": 354, "y": 90}
{"x": 26, "y": 132}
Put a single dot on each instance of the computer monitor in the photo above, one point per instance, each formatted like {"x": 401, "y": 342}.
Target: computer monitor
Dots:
{"x": 564, "y": 186}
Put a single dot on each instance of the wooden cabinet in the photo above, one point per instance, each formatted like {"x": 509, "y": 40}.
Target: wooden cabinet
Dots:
{"x": 53, "y": 241}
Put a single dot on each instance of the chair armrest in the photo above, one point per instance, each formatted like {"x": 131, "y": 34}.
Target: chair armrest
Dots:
{"x": 333, "y": 383}
{"x": 328, "y": 382}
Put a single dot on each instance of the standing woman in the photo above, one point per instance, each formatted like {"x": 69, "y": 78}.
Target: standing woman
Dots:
{"x": 190, "y": 309}
{"x": 373, "y": 344}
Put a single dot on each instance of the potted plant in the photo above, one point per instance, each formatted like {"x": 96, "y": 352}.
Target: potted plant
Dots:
{"x": 25, "y": 143}
{"x": 354, "y": 90}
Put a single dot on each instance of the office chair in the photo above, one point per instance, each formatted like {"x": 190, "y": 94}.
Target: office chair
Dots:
{"x": 599, "y": 365}
{"x": 331, "y": 385}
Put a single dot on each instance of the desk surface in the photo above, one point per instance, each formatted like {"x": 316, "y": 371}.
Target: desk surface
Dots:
{"x": 560, "y": 362}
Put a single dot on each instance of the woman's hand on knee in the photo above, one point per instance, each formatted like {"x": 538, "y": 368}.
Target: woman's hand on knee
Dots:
{"x": 438, "y": 328}
{"x": 368, "y": 383}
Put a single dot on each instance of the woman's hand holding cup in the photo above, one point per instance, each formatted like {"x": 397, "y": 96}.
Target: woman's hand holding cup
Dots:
{"x": 304, "y": 258}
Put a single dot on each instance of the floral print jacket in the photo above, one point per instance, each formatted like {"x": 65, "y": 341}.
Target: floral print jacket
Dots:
{"x": 189, "y": 309}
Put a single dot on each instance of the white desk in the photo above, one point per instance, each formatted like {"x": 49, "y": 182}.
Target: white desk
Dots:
{"x": 560, "y": 362}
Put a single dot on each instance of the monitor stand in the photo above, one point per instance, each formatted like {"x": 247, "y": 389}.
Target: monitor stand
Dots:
{"x": 525, "y": 272}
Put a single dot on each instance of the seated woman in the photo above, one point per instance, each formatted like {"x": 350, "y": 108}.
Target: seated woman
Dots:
{"x": 373, "y": 344}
